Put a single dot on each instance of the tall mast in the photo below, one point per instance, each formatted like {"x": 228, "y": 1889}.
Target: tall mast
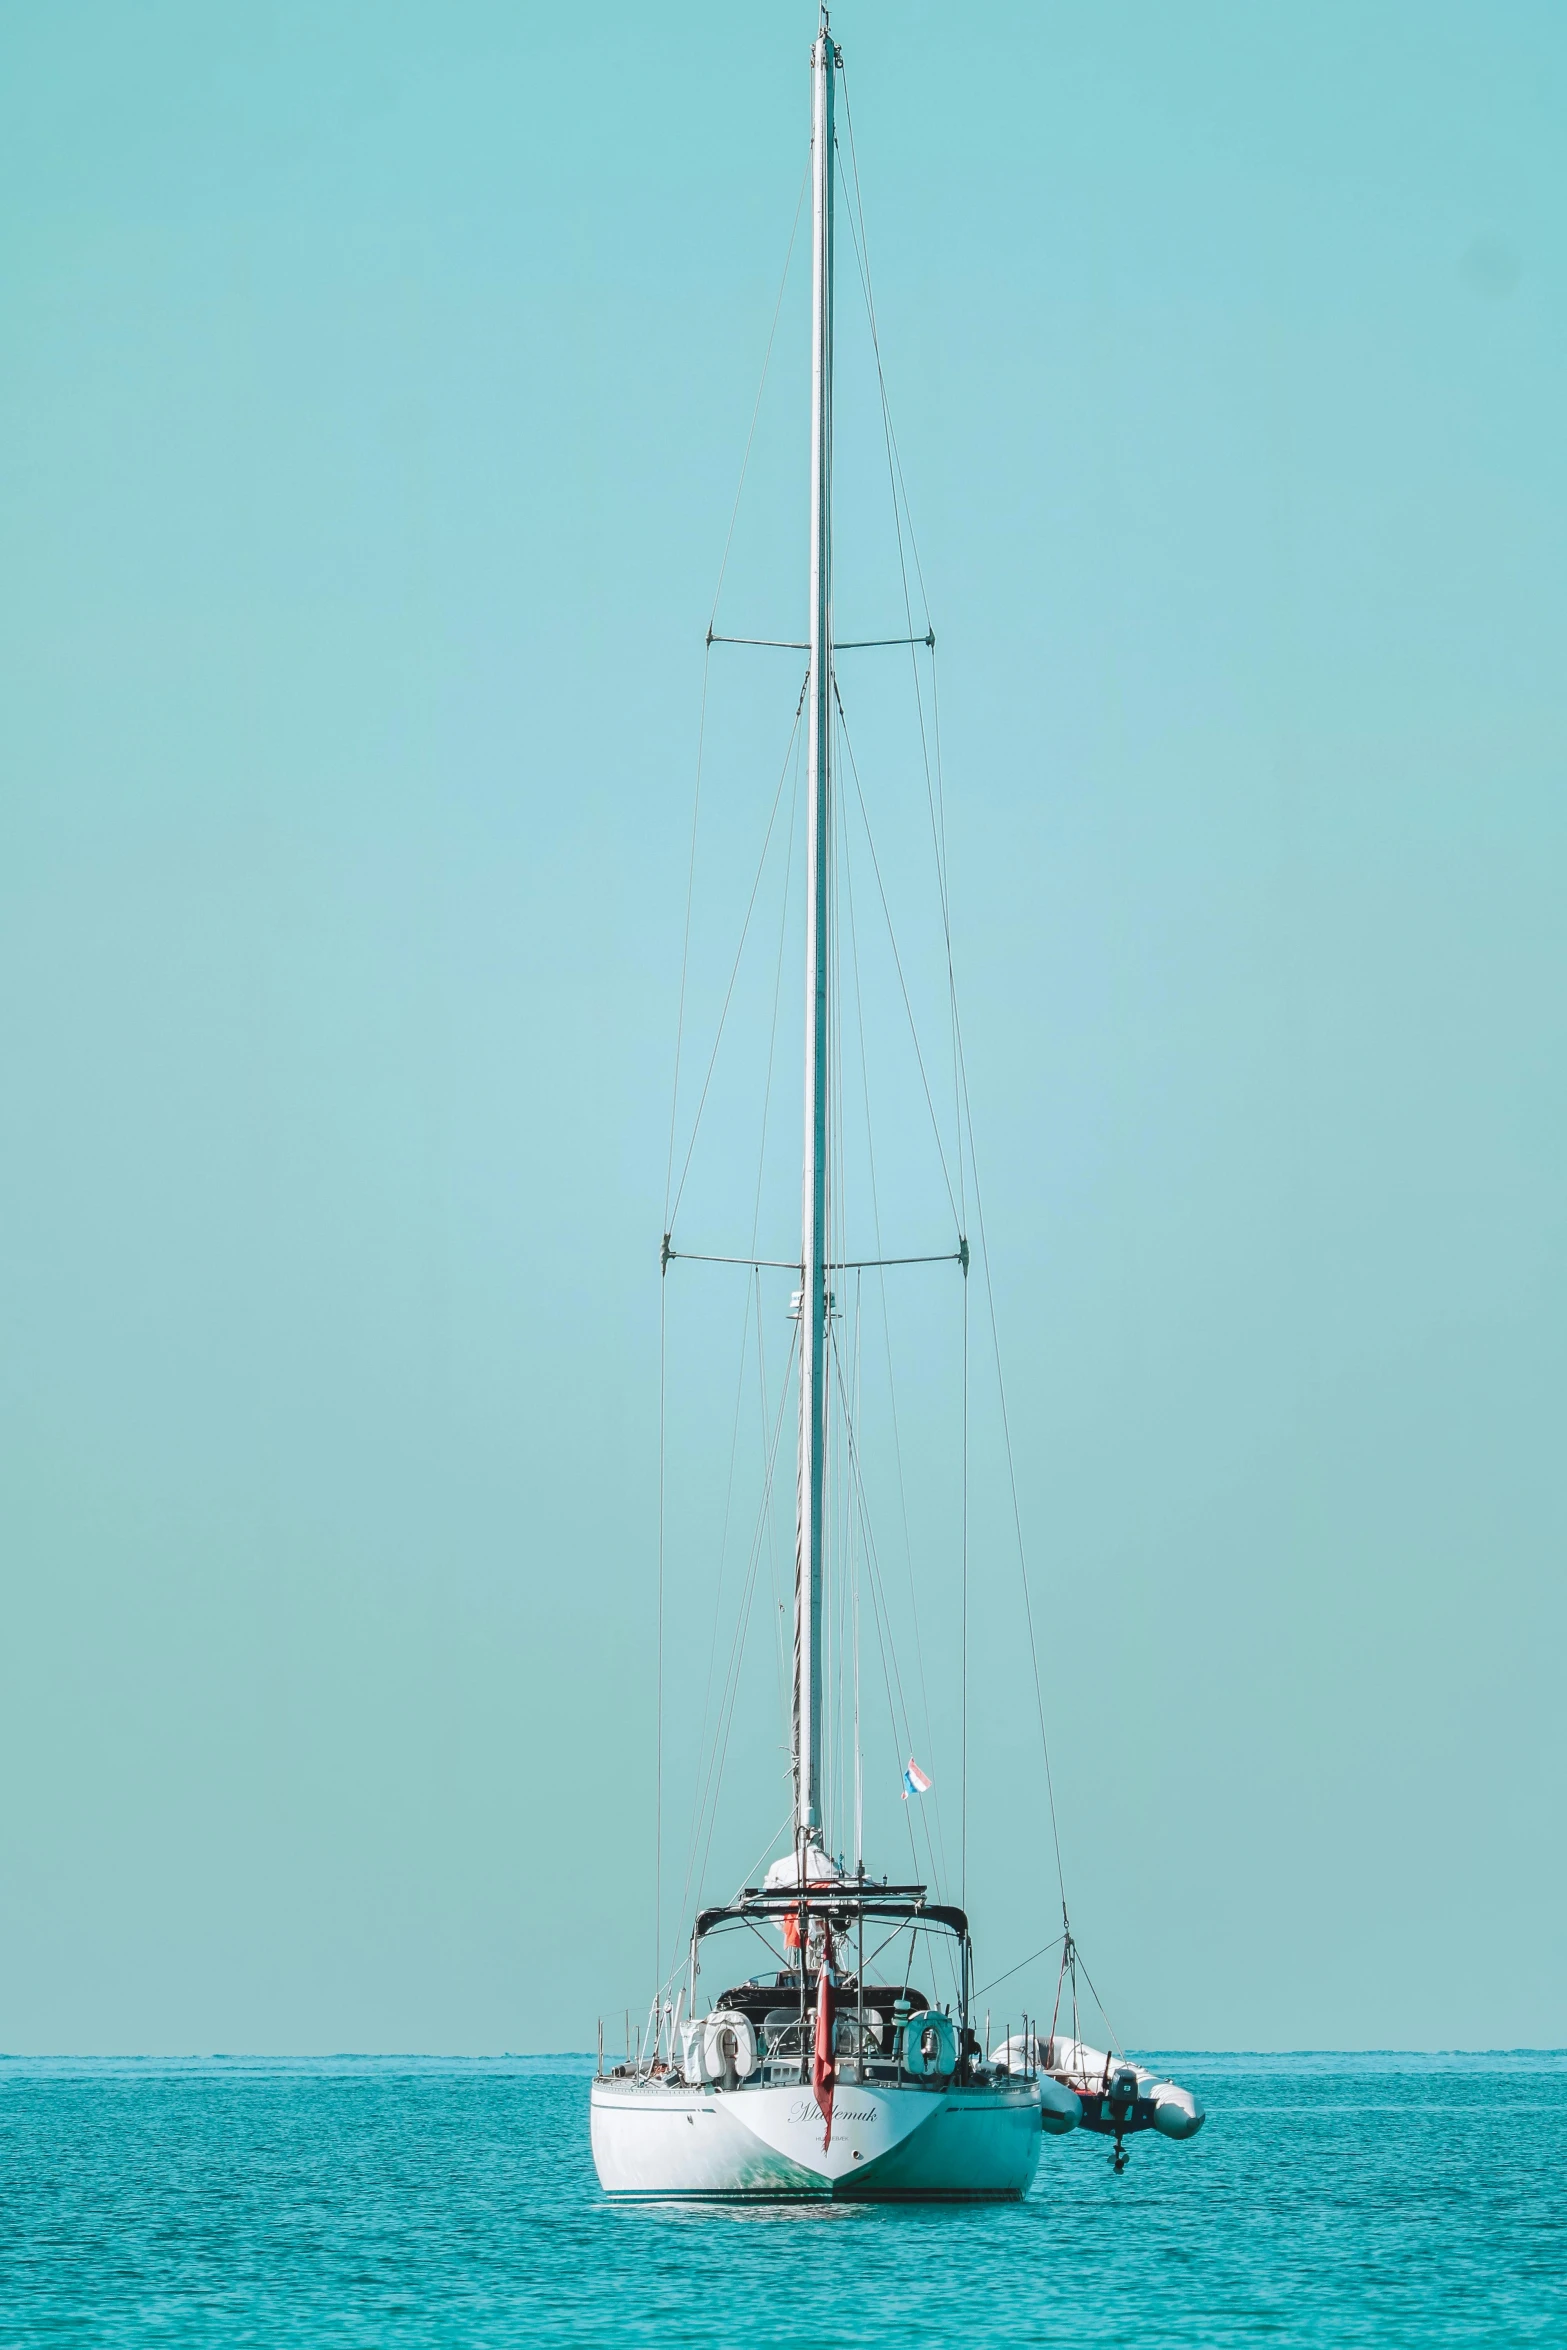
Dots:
{"x": 815, "y": 1306}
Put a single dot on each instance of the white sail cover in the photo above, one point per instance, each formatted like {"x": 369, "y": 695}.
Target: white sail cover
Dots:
{"x": 819, "y": 1870}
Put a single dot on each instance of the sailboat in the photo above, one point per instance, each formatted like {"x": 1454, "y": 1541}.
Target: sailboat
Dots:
{"x": 812, "y": 2078}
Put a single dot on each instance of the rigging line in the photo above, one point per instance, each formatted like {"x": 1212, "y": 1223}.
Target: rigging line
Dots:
{"x": 855, "y": 1497}
{"x": 781, "y": 1678}
{"x": 897, "y": 485}
{"x": 756, "y": 1866}
{"x": 714, "y": 1767}
{"x": 853, "y": 1391}
{"x": 723, "y": 1555}
{"x": 843, "y": 1512}
{"x": 883, "y": 1636}
{"x": 772, "y": 332}
{"x": 685, "y": 943}
{"x": 892, "y": 1392}
{"x": 963, "y": 1640}
{"x": 1055, "y": 2012}
{"x": 861, "y": 245}
{"x": 863, "y": 242}
{"x": 892, "y": 1677}
{"x": 658, "y": 1773}
{"x": 939, "y": 828}
{"x": 935, "y": 728}
{"x": 899, "y": 492}
{"x": 936, "y": 803}
{"x": 886, "y": 1944}
{"x": 756, "y": 1203}
{"x": 1017, "y": 1514}
{"x": 896, "y": 958}
{"x": 894, "y": 474}
{"x": 737, "y": 1652}
{"x": 948, "y": 1944}
{"x": 860, "y": 241}
{"x": 741, "y": 1631}
{"x": 752, "y": 1927}
{"x": 935, "y": 800}
{"x": 726, "y": 1717}
{"x": 960, "y": 1073}
{"x": 859, "y": 1765}
{"x": 670, "y": 1212}
{"x": 855, "y": 1557}
{"x": 772, "y": 1036}
{"x": 1110, "y": 2029}
{"x": 836, "y": 1512}
{"x": 1018, "y": 1969}
{"x": 858, "y": 1499}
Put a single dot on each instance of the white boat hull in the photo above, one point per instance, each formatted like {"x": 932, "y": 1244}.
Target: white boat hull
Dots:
{"x": 889, "y": 2141}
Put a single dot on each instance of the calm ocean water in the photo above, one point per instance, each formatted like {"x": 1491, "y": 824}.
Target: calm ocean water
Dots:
{"x": 370, "y": 2202}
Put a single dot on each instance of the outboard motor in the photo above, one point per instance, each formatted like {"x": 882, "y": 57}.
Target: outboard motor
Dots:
{"x": 1119, "y": 2108}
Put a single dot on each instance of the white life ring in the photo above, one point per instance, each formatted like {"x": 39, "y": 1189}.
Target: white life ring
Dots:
{"x": 722, "y": 2021}
{"x": 915, "y": 2061}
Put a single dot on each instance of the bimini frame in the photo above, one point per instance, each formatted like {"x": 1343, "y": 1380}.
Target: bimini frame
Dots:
{"x": 845, "y": 1907}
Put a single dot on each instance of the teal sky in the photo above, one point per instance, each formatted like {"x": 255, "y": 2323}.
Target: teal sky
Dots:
{"x": 374, "y": 387}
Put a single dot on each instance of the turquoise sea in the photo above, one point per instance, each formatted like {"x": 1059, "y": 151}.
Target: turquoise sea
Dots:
{"x": 410, "y": 2201}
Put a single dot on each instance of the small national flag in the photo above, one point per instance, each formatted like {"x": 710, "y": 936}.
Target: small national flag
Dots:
{"x": 915, "y": 1781}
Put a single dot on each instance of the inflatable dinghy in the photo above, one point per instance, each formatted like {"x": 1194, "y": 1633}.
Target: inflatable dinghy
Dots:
{"x": 1111, "y": 2095}
{"x": 1060, "y": 2108}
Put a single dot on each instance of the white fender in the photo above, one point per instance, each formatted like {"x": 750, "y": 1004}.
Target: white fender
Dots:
{"x": 1060, "y": 2109}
